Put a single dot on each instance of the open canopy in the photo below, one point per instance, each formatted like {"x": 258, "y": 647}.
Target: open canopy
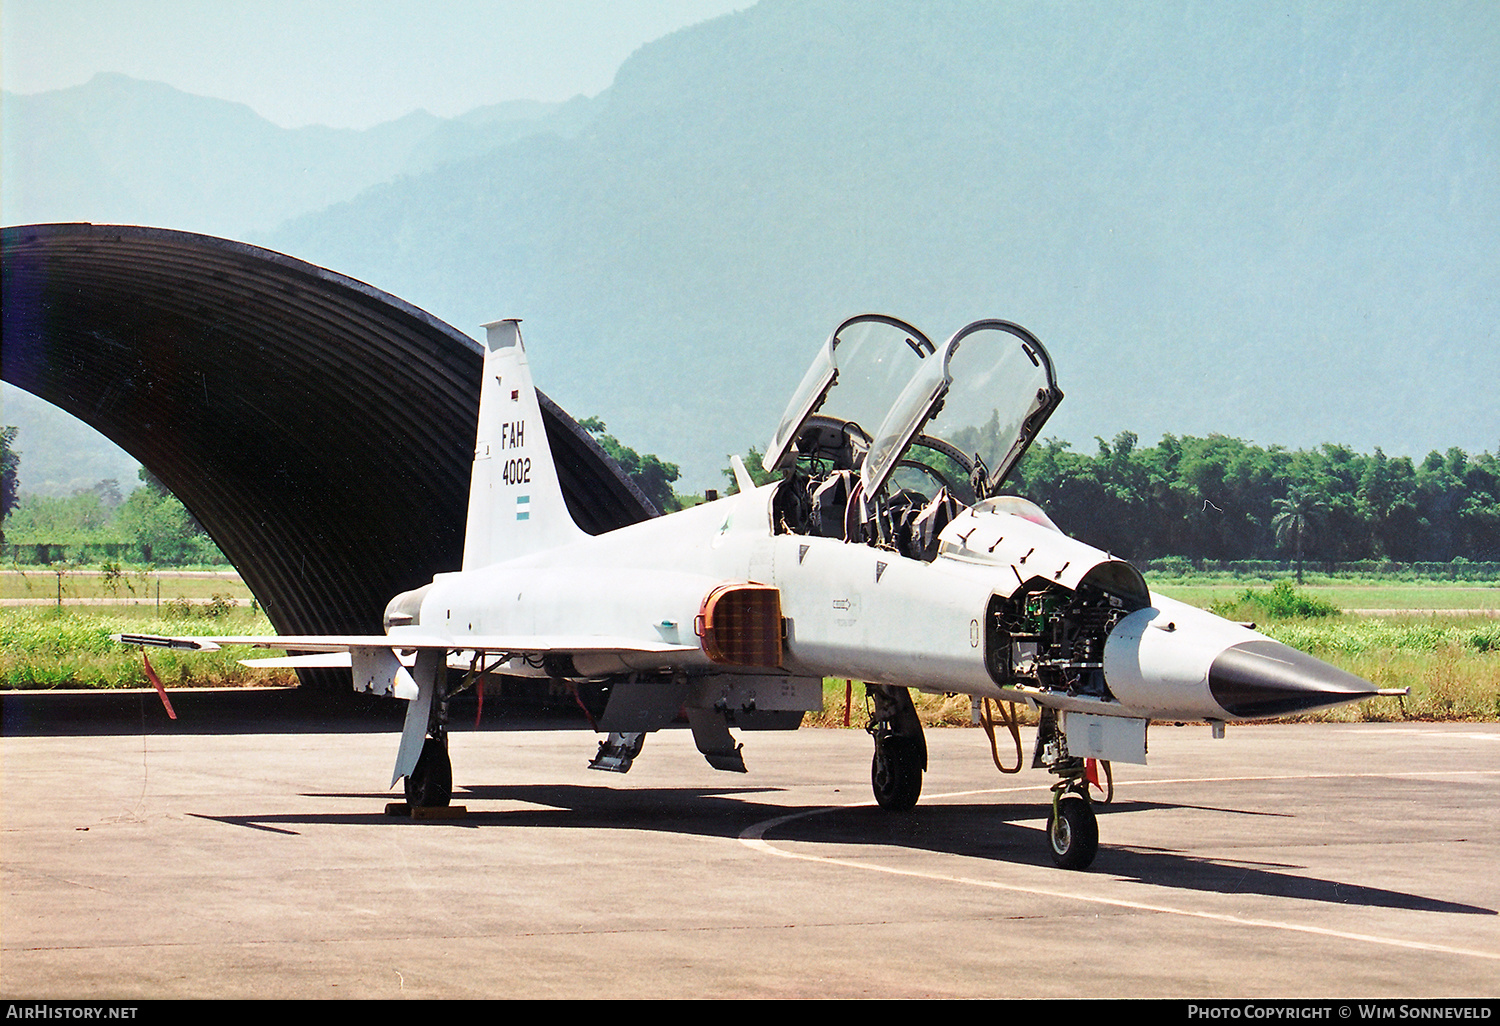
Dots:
{"x": 851, "y": 384}
{"x": 879, "y": 398}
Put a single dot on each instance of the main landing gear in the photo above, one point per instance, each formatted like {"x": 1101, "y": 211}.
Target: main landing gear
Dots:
{"x": 430, "y": 784}
{"x": 900, "y": 749}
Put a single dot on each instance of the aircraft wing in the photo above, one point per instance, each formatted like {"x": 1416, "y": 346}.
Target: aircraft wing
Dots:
{"x": 521, "y": 644}
{"x": 293, "y": 642}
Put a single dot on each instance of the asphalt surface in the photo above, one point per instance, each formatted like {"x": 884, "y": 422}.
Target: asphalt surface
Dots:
{"x": 1299, "y": 861}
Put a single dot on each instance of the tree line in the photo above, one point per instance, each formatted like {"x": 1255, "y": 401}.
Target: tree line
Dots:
{"x": 98, "y": 523}
{"x": 1213, "y": 498}
{"x": 1220, "y": 498}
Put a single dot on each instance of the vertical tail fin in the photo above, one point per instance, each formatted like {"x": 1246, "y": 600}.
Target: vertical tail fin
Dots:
{"x": 516, "y": 503}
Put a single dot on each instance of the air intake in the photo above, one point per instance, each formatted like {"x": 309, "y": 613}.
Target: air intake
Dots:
{"x": 741, "y": 625}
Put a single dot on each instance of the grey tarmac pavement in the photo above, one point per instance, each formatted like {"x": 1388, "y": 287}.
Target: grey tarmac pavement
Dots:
{"x": 1295, "y": 861}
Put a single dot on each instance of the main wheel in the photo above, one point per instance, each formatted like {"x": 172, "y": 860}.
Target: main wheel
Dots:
{"x": 431, "y": 782}
{"x": 1073, "y": 832}
{"x": 896, "y": 773}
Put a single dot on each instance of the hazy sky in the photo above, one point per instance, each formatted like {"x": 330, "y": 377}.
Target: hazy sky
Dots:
{"x": 344, "y": 63}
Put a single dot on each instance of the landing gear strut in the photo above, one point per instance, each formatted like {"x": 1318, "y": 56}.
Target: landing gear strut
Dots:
{"x": 430, "y": 784}
{"x": 900, "y": 749}
{"x": 1072, "y": 827}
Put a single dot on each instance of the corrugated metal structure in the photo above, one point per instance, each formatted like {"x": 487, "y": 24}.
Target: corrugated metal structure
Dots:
{"x": 320, "y": 430}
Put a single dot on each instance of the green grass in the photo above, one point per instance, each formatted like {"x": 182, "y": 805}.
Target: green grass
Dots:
{"x": 1451, "y": 663}
{"x": 45, "y": 648}
{"x": 1281, "y": 601}
{"x": 1428, "y": 595}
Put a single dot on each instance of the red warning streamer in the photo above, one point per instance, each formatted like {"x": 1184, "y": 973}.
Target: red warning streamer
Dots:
{"x": 156, "y": 683}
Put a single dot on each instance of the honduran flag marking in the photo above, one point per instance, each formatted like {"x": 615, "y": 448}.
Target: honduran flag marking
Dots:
{"x": 523, "y": 507}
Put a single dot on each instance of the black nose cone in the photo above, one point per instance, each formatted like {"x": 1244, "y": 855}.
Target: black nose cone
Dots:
{"x": 1266, "y": 678}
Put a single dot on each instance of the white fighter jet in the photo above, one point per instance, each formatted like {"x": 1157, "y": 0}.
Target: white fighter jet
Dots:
{"x": 883, "y": 554}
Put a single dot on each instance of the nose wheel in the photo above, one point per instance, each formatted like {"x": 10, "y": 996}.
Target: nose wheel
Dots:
{"x": 1072, "y": 831}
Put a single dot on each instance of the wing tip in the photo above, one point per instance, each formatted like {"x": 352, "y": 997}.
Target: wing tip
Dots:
{"x": 161, "y": 641}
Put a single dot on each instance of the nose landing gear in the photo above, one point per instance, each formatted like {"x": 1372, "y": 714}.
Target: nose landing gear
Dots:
{"x": 1072, "y": 827}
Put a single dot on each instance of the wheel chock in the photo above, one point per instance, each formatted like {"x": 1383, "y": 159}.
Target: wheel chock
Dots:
{"x": 426, "y": 812}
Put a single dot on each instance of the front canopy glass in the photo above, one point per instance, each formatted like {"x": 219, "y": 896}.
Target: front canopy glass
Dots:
{"x": 846, "y": 392}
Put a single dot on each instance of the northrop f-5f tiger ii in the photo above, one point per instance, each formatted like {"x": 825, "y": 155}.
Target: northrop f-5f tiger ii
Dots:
{"x": 884, "y": 552}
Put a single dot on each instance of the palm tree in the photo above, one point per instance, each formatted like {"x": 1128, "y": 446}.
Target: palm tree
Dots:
{"x": 1297, "y": 516}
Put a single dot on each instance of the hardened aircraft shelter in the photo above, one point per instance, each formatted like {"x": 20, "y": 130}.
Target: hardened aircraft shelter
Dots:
{"x": 319, "y": 429}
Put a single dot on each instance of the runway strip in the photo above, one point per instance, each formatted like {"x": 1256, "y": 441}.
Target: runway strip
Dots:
{"x": 753, "y": 837}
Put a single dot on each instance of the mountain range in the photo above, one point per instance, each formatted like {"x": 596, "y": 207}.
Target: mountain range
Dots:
{"x": 1271, "y": 221}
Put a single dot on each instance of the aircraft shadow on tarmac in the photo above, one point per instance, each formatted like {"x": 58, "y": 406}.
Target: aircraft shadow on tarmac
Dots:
{"x": 996, "y": 832}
